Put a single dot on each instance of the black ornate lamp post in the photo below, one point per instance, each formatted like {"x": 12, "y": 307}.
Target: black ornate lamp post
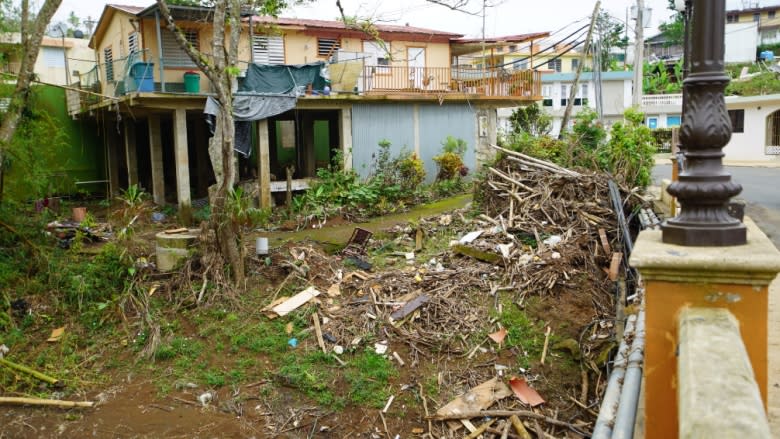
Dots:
{"x": 704, "y": 188}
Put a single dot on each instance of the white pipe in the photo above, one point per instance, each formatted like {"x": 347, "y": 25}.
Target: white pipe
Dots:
{"x": 609, "y": 405}
{"x": 629, "y": 396}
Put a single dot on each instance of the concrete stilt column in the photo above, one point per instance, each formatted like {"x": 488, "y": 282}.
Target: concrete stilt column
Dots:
{"x": 676, "y": 278}
{"x": 113, "y": 159}
{"x": 264, "y": 164}
{"x": 155, "y": 151}
{"x": 182, "y": 158}
{"x": 345, "y": 131}
{"x": 130, "y": 153}
{"x": 309, "y": 157}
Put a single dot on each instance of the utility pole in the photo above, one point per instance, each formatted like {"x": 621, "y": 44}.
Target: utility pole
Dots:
{"x": 639, "y": 53}
{"x": 583, "y": 57}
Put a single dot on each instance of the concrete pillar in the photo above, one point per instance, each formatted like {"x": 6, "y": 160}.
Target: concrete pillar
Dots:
{"x": 263, "y": 164}
{"x": 736, "y": 278}
{"x": 345, "y": 133}
{"x": 112, "y": 145}
{"x": 156, "y": 154}
{"x": 309, "y": 157}
{"x": 182, "y": 158}
{"x": 130, "y": 153}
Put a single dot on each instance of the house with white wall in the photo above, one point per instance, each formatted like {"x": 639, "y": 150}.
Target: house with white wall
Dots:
{"x": 755, "y": 124}
{"x": 616, "y": 93}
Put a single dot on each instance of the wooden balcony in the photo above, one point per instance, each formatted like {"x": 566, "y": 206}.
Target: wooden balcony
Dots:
{"x": 496, "y": 83}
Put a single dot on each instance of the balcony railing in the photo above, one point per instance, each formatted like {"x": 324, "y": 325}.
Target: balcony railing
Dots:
{"x": 438, "y": 80}
{"x": 659, "y": 100}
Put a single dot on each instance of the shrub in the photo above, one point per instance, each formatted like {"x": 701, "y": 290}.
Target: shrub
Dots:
{"x": 450, "y": 161}
{"x": 629, "y": 153}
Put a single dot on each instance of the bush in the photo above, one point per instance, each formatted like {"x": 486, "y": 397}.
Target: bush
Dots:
{"x": 450, "y": 161}
{"x": 629, "y": 153}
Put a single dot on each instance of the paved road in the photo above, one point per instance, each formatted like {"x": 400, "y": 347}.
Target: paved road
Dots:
{"x": 760, "y": 190}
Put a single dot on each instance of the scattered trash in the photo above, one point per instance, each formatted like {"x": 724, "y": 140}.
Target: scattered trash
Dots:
{"x": 470, "y": 237}
{"x": 288, "y": 328}
{"x": 359, "y": 263}
{"x": 338, "y": 350}
{"x": 158, "y": 217}
{"x": 205, "y": 398}
{"x": 380, "y": 348}
{"x": 357, "y": 242}
{"x": 3, "y": 350}
{"x": 445, "y": 220}
{"x": 476, "y": 399}
{"x": 327, "y": 336}
{"x": 293, "y": 342}
{"x": 552, "y": 241}
{"x": 498, "y": 336}
{"x": 56, "y": 335}
{"x": 505, "y": 249}
{"x": 294, "y": 302}
{"x": 524, "y": 392}
{"x": 409, "y": 256}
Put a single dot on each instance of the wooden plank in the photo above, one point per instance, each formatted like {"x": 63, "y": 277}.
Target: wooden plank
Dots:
{"x": 614, "y": 265}
{"x": 318, "y": 331}
{"x": 604, "y": 241}
{"x": 410, "y": 307}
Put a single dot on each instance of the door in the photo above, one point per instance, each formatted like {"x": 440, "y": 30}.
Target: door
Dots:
{"x": 416, "y": 61}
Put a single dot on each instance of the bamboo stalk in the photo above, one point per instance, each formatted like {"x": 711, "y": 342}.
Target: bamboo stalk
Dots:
{"x": 44, "y": 402}
{"x": 519, "y": 427}
{"x": 27, "y": 370}
{"x": 481, "y": 429}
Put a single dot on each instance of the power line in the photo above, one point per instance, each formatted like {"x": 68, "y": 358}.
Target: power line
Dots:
{"x": 579, "y": 43}
{"x": 552, "y": 46}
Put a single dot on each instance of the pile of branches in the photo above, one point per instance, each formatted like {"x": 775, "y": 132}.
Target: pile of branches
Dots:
{"x": 558, "y": 225}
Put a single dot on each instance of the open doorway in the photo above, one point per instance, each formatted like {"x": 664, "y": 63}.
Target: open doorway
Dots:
{"x": 306, "y": 140}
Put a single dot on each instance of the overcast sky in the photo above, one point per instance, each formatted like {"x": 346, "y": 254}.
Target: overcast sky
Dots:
{"x": 509, "y": 17}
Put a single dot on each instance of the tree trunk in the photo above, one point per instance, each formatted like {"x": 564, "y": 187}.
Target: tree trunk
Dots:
{"x": 31, "y": 42}
{"x": 226, "y": 232}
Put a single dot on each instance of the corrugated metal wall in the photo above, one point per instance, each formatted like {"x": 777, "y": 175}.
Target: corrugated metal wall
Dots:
{"x": 372, "y": 123}
{"x": 438, "y": 122}
{"x": 395, "y": 122}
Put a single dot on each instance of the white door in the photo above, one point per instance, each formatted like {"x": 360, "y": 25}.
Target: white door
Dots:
{"x": 415, "y": 57}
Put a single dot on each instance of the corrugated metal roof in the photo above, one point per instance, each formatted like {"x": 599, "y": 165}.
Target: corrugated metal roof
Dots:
{"x": 505, "y": 39}
{"x": 332, "y": 24}
{"x": 587, "y": 76}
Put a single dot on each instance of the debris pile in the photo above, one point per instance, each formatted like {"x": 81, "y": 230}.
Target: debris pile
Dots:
{"x": 552, "y": 226}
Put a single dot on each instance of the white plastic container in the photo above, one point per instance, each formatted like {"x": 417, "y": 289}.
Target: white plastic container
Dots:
{"x": 261, "y": 246}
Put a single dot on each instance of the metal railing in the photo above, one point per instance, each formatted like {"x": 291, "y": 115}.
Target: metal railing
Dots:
{"x": 658, "y": 100}
{"x": 494, "y": 82}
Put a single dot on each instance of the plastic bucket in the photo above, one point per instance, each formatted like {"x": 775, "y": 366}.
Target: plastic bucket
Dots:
{"x": 261, "y": 246}
{"x": 192, "y": 82}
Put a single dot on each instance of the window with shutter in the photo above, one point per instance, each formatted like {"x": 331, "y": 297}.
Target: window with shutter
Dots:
{"x": 132, "y": 42}
{"x": 108, "y": 60}
{"x": 173, "y": 54}
{"x": 326, "y": 47}
{"x": 268, "y": 49}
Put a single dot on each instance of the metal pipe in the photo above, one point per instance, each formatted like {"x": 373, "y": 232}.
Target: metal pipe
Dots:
{"x": 629, "y": 395}
{"x": 609, "y": 404}
{"x": 160, "y": 51}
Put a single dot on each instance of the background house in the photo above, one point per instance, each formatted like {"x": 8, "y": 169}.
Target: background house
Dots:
{"x": 403, "y": 90}
{"x": 766, "y": 18}
{"x": 616, "y": 92}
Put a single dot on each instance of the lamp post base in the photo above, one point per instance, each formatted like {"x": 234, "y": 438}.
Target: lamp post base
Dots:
{"x": 698, "y": 235}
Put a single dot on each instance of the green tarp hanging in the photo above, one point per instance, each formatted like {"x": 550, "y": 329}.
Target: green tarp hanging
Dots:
{"x": 282, "y": 79}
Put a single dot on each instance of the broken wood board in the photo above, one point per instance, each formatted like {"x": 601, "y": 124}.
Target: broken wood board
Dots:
{"x": 409, "y": 307}
{"x": 476, "y": 399}
{"x": 489, "y": 257}
{"x": 605, "y": 241}
{"x": 614, "y": 265}
{"x": 175, "y": 231}
{"x": 524, "y": 392}
{"x": 56, "y": 335}
{"x": 295, "y": 301}
{"x": 362, "y": 275}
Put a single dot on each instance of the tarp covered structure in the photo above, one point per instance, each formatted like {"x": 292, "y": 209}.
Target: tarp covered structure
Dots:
{"x": 266, "y": 91}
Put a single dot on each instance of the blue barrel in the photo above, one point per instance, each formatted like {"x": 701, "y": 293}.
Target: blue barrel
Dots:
{"x": 143, "y": 75}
